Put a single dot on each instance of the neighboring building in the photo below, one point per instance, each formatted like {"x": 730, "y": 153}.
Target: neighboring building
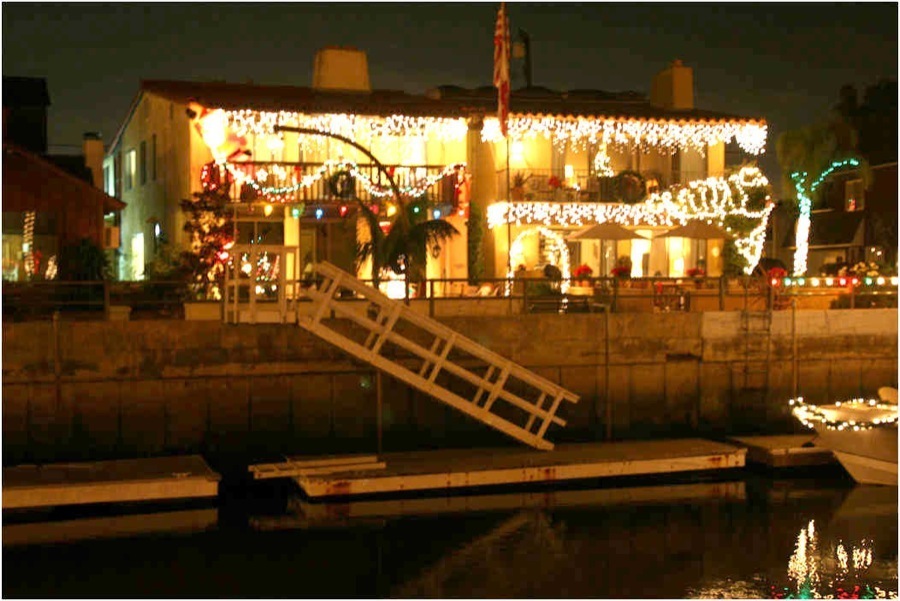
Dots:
{"x": 48, "y": 200}
{"x": 582, "y": 153}
{"x": 44, "y": 209}
{"x": 856, "y": 223}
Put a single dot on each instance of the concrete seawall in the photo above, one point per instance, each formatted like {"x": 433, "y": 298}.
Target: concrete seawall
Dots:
{"x": 74, "y": 390}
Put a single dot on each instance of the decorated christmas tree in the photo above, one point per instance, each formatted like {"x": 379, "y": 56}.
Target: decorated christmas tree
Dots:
{"x": 209, "y": 225}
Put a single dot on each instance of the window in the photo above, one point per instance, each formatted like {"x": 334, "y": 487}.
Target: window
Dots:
{"x": 130, "y": 168}
{"x": 153, "y": 157}
{"x": 143, "y": 162}
{"x": 854, "y": 195}
{"x": 107, "y": 180}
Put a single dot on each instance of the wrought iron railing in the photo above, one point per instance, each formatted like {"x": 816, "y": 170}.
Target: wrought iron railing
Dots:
{"x": 543, "y": 185}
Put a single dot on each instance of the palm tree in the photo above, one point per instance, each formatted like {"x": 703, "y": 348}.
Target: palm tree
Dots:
{"x": 404, "y": 248}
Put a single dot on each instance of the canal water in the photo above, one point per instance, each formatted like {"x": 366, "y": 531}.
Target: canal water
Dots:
{"x": 753, "y": 537}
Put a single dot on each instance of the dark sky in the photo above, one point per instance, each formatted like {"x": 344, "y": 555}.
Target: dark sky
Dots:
{"x": 785, "y": 62}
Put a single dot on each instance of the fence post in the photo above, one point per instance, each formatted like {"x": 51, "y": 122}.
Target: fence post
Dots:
{"x": 106, "y": 297}
{"x": 431, "y": 298}
{"x": 723, "y": 284}
{"x": 615, "y": 300}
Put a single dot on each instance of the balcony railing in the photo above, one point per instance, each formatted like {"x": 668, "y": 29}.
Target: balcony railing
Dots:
{"x": 542, "y": 185}
{"x": 322, "y": 183}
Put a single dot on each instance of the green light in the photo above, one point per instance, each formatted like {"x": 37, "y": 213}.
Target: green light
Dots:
{"x": 868, "y": 281}
{"x": 801, "y": 282}
{"x": 787, "y": 281}
{"x": 295, "y": 213}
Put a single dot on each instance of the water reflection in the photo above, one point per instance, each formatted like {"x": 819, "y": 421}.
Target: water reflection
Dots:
{"x": 722, "y": 540}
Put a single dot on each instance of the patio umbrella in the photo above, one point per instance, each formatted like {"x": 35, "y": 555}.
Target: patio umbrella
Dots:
{"x": 605, "y": 231}
{"x": 698, "y": 230}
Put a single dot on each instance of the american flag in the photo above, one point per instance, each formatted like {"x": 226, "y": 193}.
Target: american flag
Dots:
{"x": 501, "y": 66}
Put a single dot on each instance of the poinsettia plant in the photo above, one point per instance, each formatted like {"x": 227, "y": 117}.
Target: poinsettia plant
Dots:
{"x": 695, "y": 272}
{"x": 583, "y": 271}
{"x": 777, "y": 273}
{"x": 621, "y": 271}
{"x": 554, "y": 182}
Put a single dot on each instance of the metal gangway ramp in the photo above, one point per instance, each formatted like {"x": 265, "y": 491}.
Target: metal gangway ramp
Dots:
{"x": 424, "y": 349}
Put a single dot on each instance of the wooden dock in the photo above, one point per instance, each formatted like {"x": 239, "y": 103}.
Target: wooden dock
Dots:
{"x": 153, "y": 479}
{"x": 305, "y": 514}
{"x": 469, "y": 468}
{"x": 784, "y": 450}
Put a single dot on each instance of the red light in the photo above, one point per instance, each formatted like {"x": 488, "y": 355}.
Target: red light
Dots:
{"x": 343, "y": 210}
{"x": 855, "y": 281}
{"x": 774, "y": 281}
{"x": 843, "y": 281}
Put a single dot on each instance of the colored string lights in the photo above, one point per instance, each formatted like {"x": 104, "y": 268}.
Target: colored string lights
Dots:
{"x": 804, "y": 200}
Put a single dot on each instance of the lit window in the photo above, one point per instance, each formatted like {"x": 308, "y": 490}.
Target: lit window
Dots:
{"x": 130, "y": 169}
{"x": 854, "y": 195}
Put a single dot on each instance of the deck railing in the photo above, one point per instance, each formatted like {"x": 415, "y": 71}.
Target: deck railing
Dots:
{"x": 24, "y": 301}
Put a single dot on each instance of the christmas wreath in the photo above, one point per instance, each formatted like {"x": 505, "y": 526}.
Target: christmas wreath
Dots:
{"x": 342, "y": 184}
{"x": 630, "y": 186}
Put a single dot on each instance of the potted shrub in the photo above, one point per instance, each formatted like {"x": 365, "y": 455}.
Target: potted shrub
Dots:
{"x": 698, "y": 274}
{"x": 582, "y": 275}
{"x": 518, "y": 186}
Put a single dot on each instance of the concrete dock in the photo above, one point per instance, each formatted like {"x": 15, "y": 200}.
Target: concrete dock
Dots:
{"x": 790, "y": 450}
{"x": 152, "y": 479}
{"x": 444, "y": 470}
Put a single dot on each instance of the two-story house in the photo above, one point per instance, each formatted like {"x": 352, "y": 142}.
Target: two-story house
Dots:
{"x": 571, "y": 159}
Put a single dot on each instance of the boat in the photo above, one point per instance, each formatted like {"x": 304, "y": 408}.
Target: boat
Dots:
{"x": 862, "y": 434}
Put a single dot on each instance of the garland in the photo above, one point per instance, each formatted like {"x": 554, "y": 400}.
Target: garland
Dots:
{"x": 810, "y": 414}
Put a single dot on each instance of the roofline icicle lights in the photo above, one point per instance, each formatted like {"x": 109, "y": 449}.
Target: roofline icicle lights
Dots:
{"x": 804, "y": 200}
{"x": 669, "y": 135}
{"x": 709, "y": 200}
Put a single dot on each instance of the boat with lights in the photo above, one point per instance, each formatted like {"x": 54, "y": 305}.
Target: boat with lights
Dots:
{"x": 862, "y": 434}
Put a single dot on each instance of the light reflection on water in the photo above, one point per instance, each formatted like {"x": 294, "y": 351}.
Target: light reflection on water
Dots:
{"x": 719, "y": 540}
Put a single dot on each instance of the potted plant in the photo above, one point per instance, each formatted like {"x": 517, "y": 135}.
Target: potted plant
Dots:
{"x": 698, "y": 274}
{"x": 518, "y": 186}
{"x": 582, "y": 274}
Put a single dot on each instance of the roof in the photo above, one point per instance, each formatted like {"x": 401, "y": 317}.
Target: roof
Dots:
{"x": 25, "y": 91}
{"x": 29, "y": 179}
{"x": 444, "y": 101}
{"x": 830, "y": 228}
{"x": 72, "y": 163}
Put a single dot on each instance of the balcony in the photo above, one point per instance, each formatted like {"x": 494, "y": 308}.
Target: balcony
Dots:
{"x": 542, "y": 185}
{"x": 322, "y": 183}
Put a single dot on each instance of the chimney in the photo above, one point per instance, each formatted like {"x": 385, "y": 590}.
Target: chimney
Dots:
{"x": 341, "y": 68}
{"x": 92, "y": 148}
{"x": 673, "y": 87}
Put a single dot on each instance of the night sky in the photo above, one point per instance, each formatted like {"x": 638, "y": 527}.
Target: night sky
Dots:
{"x": 785, "y": 62}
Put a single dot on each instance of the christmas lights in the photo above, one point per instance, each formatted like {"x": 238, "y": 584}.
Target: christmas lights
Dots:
{"x": 28, "y": 242}
{"x": 245, "y": 175}
{"x": 872, "y": 413}
{"x": 517, "y": 254}
{"x": 804, "y": 200}
{"x": 670, "y": 136}
{"x": 602, "y": 163}
{"x": 711, "y": 200}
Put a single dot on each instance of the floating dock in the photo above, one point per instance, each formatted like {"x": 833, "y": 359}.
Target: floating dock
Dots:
{"x": 790, "y": 450}
{"x": 305, "y": 514}
{"x": 153, "y": 479}
{"x": 442, "y": 470}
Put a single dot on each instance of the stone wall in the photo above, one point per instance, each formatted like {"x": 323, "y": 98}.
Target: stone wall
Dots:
{"x": 76, "y": 390}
